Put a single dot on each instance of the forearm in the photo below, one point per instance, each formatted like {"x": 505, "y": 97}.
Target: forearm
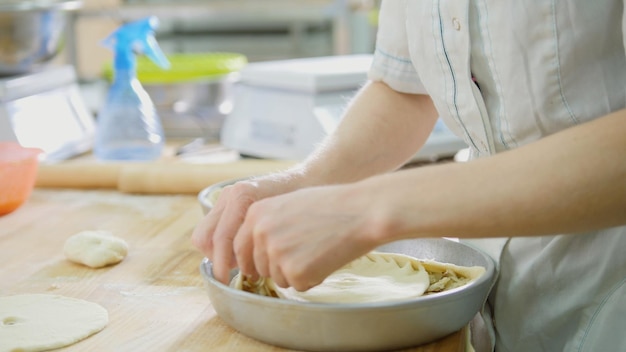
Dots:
{"x": 572, "y": 181}
{"x": 380, "y": 131}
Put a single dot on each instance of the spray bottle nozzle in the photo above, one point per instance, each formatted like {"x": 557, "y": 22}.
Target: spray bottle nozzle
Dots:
{"x": 136, "y": 36}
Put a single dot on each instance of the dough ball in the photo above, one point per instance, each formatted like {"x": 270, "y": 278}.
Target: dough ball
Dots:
{"x": 95, "y": 249}
{"x": 39, "y": 322}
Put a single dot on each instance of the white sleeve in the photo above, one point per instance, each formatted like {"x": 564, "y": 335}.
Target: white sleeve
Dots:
{"x": 392, "y": 63}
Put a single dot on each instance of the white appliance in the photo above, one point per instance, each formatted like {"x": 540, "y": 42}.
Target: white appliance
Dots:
{"x": 45, "y": 110}
{"x": 283, "y": 109}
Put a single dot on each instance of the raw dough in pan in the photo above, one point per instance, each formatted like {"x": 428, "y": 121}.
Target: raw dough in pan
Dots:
{"x": 446, "y": 276}
{"x": 373, "y": 277}
{"x": 263, "y": 286}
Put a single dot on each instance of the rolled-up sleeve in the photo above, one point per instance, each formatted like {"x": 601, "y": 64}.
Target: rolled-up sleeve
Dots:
{"x": 392, "y": 63}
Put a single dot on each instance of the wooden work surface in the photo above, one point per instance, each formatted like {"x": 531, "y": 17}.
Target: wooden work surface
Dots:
{"x": 155, "y": 297}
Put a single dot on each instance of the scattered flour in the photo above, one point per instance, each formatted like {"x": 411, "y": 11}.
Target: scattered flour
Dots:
{"x": 149, "y": 206}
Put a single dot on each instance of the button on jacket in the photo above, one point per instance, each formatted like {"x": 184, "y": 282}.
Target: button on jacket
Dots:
{"x": 502, "y": 74}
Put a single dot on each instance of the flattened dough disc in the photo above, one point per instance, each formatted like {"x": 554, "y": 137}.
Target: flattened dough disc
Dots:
{"x": 373, "y": 277}
{"x": 39, "y": 322}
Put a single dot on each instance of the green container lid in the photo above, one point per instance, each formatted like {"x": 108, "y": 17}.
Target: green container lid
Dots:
{"x": 185, "y": 67}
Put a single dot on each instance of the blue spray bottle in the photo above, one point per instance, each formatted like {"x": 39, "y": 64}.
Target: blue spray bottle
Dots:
{"x": 128, "y": 126}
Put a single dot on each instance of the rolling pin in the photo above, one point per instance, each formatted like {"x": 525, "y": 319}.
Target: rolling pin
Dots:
{"x": 154, "y": 178}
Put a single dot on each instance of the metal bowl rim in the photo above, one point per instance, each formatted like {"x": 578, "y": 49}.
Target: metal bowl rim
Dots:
{"x": 203, "y": 196}
{"x": 434, "y": 299}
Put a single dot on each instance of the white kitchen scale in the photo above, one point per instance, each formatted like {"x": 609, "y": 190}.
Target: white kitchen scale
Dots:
{"x": 45, "y": 110}
{"x": 283, "y": 109}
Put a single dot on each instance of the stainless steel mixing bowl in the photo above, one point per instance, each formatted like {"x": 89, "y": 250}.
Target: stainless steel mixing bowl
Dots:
{"x": 32, "y": 33}
{"x": 359, "y": 327}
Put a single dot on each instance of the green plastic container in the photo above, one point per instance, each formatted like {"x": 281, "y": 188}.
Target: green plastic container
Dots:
{"x": 186, "y": 67}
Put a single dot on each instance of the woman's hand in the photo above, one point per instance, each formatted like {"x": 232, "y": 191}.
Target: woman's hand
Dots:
{"x": 300, "y": 238}
{"x": 215, "y": 233}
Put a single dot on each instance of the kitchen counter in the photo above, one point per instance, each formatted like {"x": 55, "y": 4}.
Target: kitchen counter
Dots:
{"x": 155, "y": 297}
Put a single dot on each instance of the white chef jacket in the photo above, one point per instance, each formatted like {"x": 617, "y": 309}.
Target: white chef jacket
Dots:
{"x": 504, "y": 73}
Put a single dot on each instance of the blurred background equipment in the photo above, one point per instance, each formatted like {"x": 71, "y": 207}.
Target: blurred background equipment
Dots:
{"x": 194, "y": 95}
{"x": 32, "y": 33}
{"x": 284, "y": 108}
{"x": 202, "y": 37}
{"x": 260, "y": 30}
{"x": 40, "y": 102}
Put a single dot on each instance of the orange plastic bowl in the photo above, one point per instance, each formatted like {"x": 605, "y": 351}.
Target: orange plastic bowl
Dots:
{"x": 18, "y": 170}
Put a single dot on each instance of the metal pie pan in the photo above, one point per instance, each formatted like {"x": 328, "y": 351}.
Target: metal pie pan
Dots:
{"x": 360, "y": 326}
{"x": 207, "y": 196}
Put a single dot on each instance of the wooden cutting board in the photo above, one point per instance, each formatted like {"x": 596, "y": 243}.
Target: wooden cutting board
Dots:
{"x": 155, "y": 297}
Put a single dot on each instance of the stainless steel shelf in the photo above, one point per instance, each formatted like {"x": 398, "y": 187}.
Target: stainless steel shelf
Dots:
{"x": 210, "y": 16}
{"x": 222, "y": 10}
